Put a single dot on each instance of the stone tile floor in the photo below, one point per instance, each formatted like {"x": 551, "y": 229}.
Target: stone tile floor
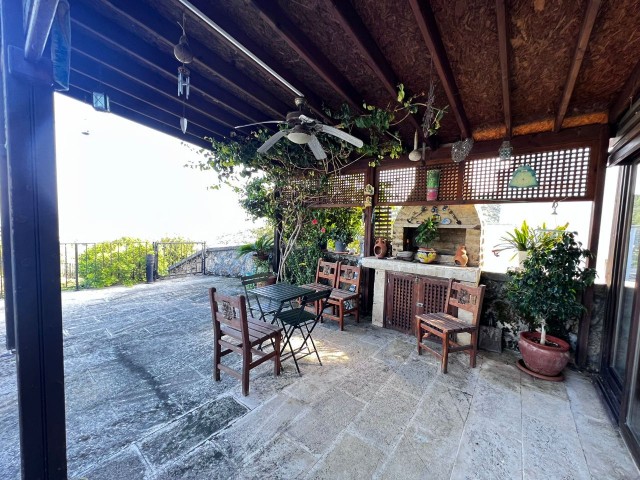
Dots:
{"x": 141, "y": 404}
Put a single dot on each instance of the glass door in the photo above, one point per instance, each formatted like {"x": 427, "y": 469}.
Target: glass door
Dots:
{"x": 622, "y": 313}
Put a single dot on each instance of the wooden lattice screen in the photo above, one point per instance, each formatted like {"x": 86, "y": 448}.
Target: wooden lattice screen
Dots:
{"x": 382, "y": 222}
{"x": 566, "y": 174}
{"x": 337, "y": 190}
{"x": 561, "y": 174}
{"x": 346, "y": 190}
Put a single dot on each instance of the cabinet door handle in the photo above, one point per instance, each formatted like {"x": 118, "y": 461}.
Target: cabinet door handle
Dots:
{"x": 419, "y": 304}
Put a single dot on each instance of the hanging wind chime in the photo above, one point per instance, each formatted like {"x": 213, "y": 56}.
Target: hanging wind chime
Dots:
{"x": 183, "y": 53}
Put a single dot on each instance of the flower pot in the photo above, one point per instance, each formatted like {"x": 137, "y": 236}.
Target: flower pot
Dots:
{"x": 380, "y": 248}
{"x": 546, "y": 360}
{"x": 340, "y": 246}
{"x": 261, "y": 256}
{"x": 522, "y": 256}
{"x": 433, "y": 183}
{"x": 425, "y": 255}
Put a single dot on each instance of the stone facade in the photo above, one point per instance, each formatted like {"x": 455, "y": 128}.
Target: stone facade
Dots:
{"x": 450, "y": 237}
{"x": 224, "y": 262}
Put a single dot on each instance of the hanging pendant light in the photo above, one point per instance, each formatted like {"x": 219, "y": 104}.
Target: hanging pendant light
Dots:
{"x": 523, "y": 177}
{"x": 415, "y": 155}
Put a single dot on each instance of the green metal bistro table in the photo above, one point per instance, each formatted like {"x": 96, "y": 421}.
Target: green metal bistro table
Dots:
{"x": 280, "y": 293}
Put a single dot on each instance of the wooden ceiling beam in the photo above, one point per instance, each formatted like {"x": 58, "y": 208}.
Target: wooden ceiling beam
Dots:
{"x": 629, "y": 93}
{"x": 576, "y": 61}
{"x": 213, "y": 11}
{"x": 278, "y": 20}
{"x": 148, "y": 24}
{"x": 90, "y": 73}
{"x": 41, "y": 15}
{"x": 429, "y": 29}
{"x": 351, "y": 22}
{"x": 142, "y": 107}
{"x": 128, "y": 46}
{"x": 120, "y": 71}
{"x": 142, "y": 119}
{"x": 503, "y": 45}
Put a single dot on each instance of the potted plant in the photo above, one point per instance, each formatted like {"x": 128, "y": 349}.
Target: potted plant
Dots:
{"x": 260, "y": 248}
{"x": 426, "y": 233}
{"x": 544, "y": 292}
{"x": 523, "y": 239}
{"x": 344, "y": 225}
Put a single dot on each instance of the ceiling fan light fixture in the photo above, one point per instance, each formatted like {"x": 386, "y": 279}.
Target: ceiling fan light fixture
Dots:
{"x": 298, "y": 135}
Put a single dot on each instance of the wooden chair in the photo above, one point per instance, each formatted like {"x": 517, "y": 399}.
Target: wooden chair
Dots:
{"x": 326, "y": 274}
{"x": 233, "y": 331}
{"x": 252, "y": 281}
{"x": 446, "y": 325}
{"x": 345, "y": 297}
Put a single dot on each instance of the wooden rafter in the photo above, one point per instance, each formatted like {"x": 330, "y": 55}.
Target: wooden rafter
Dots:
{"x": 576, "y": 61}
{"x": 41, "y": 17}
{"x": 629, "y": 93}
{"x": 212, "y": 10}
{"x": 503, "y": 43}
{"x": 152, "y": 26}
{"x": 90, "y": 28}
{"x": 354, "y": 26}
{"x": 120, "y": 71}
{"x": 274, "y": 16}
{"x": 429, "y": 29}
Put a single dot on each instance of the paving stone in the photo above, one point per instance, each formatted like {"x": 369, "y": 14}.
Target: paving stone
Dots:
{"x": 127, "y": 464}
{"x": 395, "y": 353}
{"x": 330, "y": 415}
{"x": 551, "y": 451}
{"x": 190, "y": 430}
{"x": 351, "y": 458}
{"x": 386, "y": 417}
{"x": 206, "y": 461}
{"x": 268, "y": 462}
{"x": 486, "y": 453}
{"x": 364, "y": 381}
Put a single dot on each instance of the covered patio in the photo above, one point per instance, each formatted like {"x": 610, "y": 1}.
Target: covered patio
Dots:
{"x": 557, "y": 81}
{"x": 141, "y": 403}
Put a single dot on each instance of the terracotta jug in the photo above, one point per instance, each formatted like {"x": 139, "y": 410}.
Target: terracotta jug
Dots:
{"x": 461, "y": 259}
{"x": 380, "y": 248}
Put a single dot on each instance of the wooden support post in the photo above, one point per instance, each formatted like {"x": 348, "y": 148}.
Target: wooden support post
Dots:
{"x": 34, "y": 253}
{"x": 368, "y": 274}
{"x": 594, "y": 240}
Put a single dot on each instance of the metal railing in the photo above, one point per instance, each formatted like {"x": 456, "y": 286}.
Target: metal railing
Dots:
{"x": 95, "y": 265}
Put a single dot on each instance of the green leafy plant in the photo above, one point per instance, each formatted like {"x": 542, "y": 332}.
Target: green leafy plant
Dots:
{"x": 344, "y": 224}
{"x": 525, "y": 238}
{"x": 426, "y": 233}
{"x": 261, "y": 248}
{"x": 544, "y": 292}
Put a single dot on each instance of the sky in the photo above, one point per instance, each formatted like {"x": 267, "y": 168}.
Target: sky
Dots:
{"x": 124, "y": 179}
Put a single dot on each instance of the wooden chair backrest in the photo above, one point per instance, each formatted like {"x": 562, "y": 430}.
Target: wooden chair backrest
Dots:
{"x": 327, "y": 272}
{"x": 464, "y": 297}
{"x": 230, "y": 311}
{"x": 251, "y": 281}
{"x": 348, "y": 278}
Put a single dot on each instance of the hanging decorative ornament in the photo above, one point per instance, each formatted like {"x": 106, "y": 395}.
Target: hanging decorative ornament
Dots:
{"x": 554, "y": 207}
{"x": 181, "y": 50}
{"x": 184, "y": 81}
{"x": 183, "y": 124}
{"x": 505, "y": 150}
{"x": 461, "y": 149}
{"x": 101, "y": 102}
{"x": 415, "y": 155}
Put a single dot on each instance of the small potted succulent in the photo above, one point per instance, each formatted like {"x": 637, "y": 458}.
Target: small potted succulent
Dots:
{"x": 426, "y": 233}
{"x": 544, "y": 292}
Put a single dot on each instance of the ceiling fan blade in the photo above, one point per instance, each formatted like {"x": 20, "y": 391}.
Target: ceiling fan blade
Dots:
{"x": 272, "y": 141}
{"x": 260, "y": 123}
{"x": 316, "y": 148}
{"x": 341, "y": 135}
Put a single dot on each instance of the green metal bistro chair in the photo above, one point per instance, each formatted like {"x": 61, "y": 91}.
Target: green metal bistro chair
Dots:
{"x": 249, "y": 282}
{"x": 304, "y": 321}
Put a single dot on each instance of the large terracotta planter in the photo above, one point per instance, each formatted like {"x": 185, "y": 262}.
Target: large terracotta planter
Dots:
{"x": 543, "y": 359}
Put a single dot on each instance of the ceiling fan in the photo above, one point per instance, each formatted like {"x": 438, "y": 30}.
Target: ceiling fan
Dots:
{"x": 302, "y": 129}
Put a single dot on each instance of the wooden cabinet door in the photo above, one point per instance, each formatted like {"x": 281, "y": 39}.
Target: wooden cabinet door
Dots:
{"x": 400, "y": 302}
{"x": 407, "y": 295}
